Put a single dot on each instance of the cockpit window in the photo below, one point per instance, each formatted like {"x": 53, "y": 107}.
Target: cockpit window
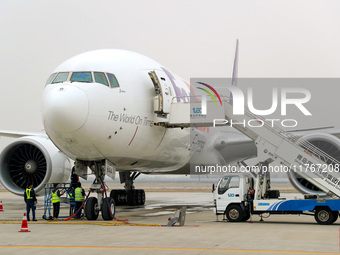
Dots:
{"x": 106, "y": 79}
{"x": 81, "y": 77}
{"x": 113, "y": 80}
{"x": 61, "y": 77}
{"x": 101, "y": 78}
{"x": 50, "y": 78}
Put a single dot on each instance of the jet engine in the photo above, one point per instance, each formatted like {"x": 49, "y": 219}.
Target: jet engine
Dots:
{"x": 325, "y": 142}
{"x": 35, "y": 160}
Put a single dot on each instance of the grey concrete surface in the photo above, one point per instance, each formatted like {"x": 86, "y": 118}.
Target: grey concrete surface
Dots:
{"x": 200, "y": 235}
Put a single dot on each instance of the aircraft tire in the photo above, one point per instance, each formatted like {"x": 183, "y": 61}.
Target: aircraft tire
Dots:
{"x": 90, "y": 208}
{"x": 106, "y": 211}
{"x": 135, "y": 197}
{"x": 130, "y": 197}
{"x": 142, "y": 197}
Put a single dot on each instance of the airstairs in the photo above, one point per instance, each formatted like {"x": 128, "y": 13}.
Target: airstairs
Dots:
{"x": 272, "y": 142}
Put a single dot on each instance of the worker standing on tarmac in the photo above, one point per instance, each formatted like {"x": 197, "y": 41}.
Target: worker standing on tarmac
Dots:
{"x": 56, "y": 201}
{"x": 30, "y": 201}
{"x": 79, "y": 198}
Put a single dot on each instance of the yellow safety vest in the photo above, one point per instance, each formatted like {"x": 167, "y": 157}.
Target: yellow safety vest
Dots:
{"x": 55, "y": 198}
{"x": 78, "y": 194}
{"x": 28, "y": 194}
{"x": 71, "y": 194}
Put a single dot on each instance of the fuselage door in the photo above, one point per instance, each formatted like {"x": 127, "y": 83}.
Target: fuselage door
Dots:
{"x": 162, "y": 100}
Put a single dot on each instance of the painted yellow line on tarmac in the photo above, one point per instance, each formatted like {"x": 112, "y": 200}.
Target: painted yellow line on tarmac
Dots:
{"x": 112, "y": 223}
{"x": 160, "y": 249}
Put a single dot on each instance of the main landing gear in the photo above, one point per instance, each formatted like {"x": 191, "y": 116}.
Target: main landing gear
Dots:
{"x": 129, "y": 196}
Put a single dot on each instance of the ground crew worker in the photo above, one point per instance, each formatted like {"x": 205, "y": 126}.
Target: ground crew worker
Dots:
{"x": 72, "y": 202}
{"x": 79, "y": 198}
{"x": 31, "y": 201}
{"x": 74, "y": 178}
{"x": 56, "y": 201}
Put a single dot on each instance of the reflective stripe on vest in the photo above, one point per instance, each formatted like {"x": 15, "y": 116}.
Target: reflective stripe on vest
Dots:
{"x": 78, "y": 194}
{"x": 28, "y": 194}
{"x": 55, "y": 198}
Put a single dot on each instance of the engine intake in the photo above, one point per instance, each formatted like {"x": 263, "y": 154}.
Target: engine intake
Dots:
{"x": 32, "y": 160}
{"x": 325, "y": 142}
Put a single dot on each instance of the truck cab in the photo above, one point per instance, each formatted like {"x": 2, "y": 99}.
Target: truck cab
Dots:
{"x": 231, "y": 196}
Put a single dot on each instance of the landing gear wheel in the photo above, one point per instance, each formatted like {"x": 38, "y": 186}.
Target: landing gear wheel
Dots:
{"x": 108, "y": 208}
{"x": 234, "y": 213}
{"x": 119, "y": 196}
{"x": 138, "y": 196}
{"x": 142, "y": 197}
{"x": 131, "y": 197}
{"x": 135, "y": 197}
{"x": 91, "y": 208}
{"x": 324, "y": 216}
{"x": 114, "y": 195}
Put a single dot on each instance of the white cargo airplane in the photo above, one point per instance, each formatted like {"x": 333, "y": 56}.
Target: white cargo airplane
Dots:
{"x": 100, "y": 109}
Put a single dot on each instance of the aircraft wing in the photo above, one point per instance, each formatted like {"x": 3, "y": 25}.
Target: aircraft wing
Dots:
{"x": 18, "y": 134}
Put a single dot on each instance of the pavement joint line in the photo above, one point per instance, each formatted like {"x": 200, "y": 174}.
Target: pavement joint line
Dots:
{"x": 163, "y": 248}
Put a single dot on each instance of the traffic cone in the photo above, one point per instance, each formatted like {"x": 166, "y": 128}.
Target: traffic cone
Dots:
{"x": 24, "y": 226}
{"x": 1, "y": 208}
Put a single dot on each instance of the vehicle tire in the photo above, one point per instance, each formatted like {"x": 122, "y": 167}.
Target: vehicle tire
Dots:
{"x": 335, "y": 216}
{"x": 324, "y": 216}
{"x": 108, "y": 208}
{"x": 246, "y": 216}
{"x": 91, "y": 210}
{"x": 234, "y": 213}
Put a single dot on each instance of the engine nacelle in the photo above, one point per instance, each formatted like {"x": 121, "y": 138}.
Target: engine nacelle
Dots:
{"x": 32, "y": 159}
{"x": 325, "y": 142}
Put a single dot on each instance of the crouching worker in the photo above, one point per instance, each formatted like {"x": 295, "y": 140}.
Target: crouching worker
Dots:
{"x": 79, "y": 198}
{"x": 56, "y": 200}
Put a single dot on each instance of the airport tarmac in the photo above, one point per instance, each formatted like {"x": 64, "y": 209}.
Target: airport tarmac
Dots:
{"x": 146, "y": 233}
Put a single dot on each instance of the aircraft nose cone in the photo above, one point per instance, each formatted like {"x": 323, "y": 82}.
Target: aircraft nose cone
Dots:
{"x": 65, "y": 108}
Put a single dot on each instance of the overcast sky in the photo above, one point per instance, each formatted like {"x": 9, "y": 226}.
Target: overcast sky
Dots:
{"x": 192, "y": 38}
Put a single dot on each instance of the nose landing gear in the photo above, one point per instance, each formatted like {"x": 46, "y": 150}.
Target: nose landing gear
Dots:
{"x": 101, "y": 203}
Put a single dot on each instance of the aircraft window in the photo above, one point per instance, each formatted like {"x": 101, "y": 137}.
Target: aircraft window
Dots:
{"x": 81, "y": 77}
{"x": 101, "y": 78}
{"x": 113, "y": 80}
{"x": 50, "y": 78}
{"x": 61, "y": 77}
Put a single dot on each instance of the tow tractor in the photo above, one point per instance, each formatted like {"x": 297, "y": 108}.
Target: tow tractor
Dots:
{"x": 237, "y": 196}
